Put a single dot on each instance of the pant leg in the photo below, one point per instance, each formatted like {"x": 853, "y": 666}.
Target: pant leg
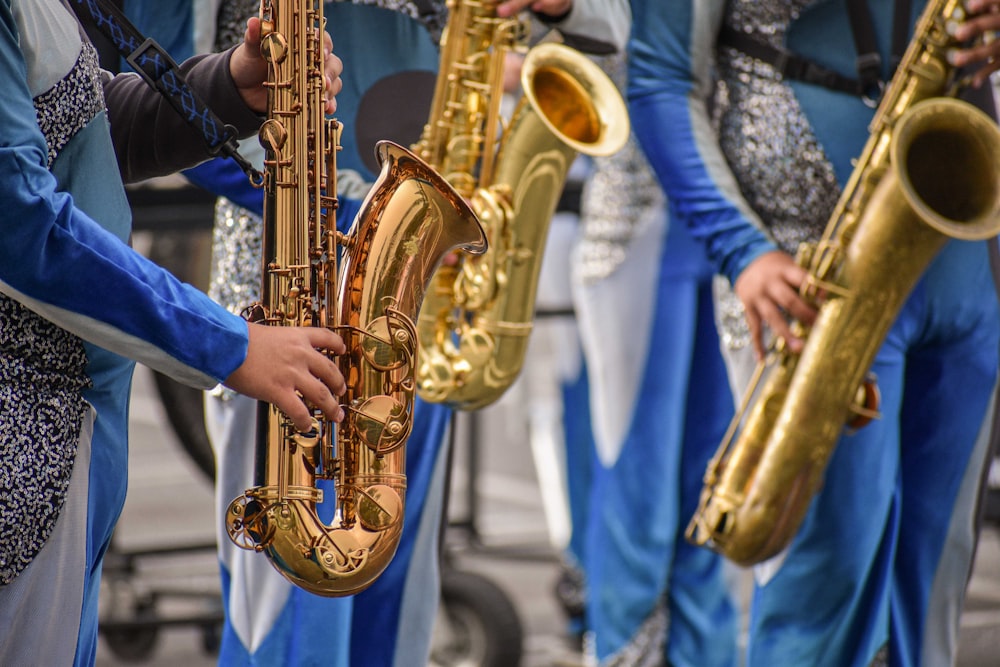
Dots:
{"x": 393, "y": 619}
{"x": 827, "y": 604}
{"x": 268, "y": 621}
{"x": 40, "y": 608}
{"x": 703, "y": 610}
{"x": 580, "y": 461}
{"x": 880, "y": 554}
{"x": 945, "y": 428}
{"x": 637, "y": 521}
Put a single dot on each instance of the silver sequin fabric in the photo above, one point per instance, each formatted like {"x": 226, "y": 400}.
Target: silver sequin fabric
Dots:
{"x": 71, "y": 104}
{"x": 236, "y": 263}
{"x": 620, "y": 189}
{"x": 236, "y": 257}
{"x": 781, "y": 169}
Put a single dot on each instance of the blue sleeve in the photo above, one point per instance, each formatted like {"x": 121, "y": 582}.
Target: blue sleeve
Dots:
{"x": 60, "y": 262}
{"x": 670, "y": 61}
{"x": 224, "y": 178}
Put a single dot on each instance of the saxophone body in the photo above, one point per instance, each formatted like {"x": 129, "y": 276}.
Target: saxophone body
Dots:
{"x": 475, "y": 323}
{"x": 929, "y": 171}
{"x": 409, "y": 220}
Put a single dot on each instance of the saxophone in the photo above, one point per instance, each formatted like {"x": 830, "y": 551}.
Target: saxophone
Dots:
{"x": 409, "y": 220}
{"x": 929, "y": 171}
{"x": 474, "y": 325}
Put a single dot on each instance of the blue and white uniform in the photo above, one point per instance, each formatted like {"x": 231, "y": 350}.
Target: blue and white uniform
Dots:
{"x": 883, "y": 556}
{"x": 660, "y": 403}
{"x": 387, "y": 93}
{"x": 76, "y": 304}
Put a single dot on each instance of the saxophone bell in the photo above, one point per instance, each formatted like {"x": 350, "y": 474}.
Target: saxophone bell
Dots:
{"x": 574, "y": 99}
{"x": 475, "y": 324}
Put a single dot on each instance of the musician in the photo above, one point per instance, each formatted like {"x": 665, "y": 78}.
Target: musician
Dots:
{"x": 753, "y": 166}
{"x": 77, "y": 305}
{"x": 387, "y": 96}
{"x": 660, "y": 403}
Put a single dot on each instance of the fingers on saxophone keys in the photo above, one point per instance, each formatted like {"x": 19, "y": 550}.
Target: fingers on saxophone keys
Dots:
{"x": 756, "y": 334}
{"x": 778, "y": 323}
{"x": 333, "y": 83}
{"x": 333, "y": 67}
{"x": 300, "y": 415}
{"x": 978, "y": 27}
{"x": 318, "y": 394}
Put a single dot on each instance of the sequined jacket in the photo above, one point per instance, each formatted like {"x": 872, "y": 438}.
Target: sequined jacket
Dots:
{"x": 750, "y": 162}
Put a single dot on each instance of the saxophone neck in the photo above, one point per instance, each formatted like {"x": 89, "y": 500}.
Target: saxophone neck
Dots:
{"x": 461, "y": 135}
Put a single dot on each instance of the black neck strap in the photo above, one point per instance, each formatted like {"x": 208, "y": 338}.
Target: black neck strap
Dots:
{"x": 900, "y": 31}
{"x": 160, "y": 71}
{"x": 869, "y": 83}
{"x": 869, "y": 62}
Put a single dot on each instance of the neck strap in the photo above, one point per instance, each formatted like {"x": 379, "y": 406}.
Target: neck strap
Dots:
{"x": 159, "y": 70}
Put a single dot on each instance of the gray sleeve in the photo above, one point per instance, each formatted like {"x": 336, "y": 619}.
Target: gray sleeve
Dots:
{"x": 151, "y": 138}
{"x": 595, "y": 26}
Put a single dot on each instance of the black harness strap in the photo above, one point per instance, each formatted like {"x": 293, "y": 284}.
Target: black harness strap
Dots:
{"x": 900, "y": 31}
{"x": 790, "y": 65}
{"x": 869, "y": 62}
{"x": 159, "y": 70}
{"x": 869, "y": 83}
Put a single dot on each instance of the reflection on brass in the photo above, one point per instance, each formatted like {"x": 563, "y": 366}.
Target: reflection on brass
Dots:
{"x": 410, "y": 219}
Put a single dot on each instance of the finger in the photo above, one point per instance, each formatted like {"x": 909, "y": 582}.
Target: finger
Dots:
{"x": 983, "y": 74}
{"x": 756, "y": 333}
{"x": 327, "y": 372}
{"x": 789, "y": 301}
{"x": 318, "y": 395}
{"x": 978, "y": 6}
{"x": 511, "y": 7}
{"x": 253, "y": 34}
{"x": 775, "y": 320}
{"x": 297, "y": 411}
{"x": 974, "y": 26}
{"x": 333, "y": 84}
{"x": 325, "y": 339}
{"x": 334, "y": 65}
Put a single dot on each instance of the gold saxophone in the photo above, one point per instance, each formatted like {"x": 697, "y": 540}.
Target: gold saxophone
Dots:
{"x": 410, "y": 219}
{"x": 475, "y": 322}
{"x": 929, "y": 171}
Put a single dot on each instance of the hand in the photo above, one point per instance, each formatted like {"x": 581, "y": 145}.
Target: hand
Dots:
{"x": 284, "y": 366}
{"x": 512, "y": 72}
{"x": 981, "y": 29}
{"x": 249, "y": 70}
{"x": 551, "y": 8}
{"x": 769, "y": 290}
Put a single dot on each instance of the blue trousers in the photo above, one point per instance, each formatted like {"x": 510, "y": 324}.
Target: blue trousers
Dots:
{"x": 884, "y": 554}
{"x": 271, "y": 622}
{"x": 650, "y": 593}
